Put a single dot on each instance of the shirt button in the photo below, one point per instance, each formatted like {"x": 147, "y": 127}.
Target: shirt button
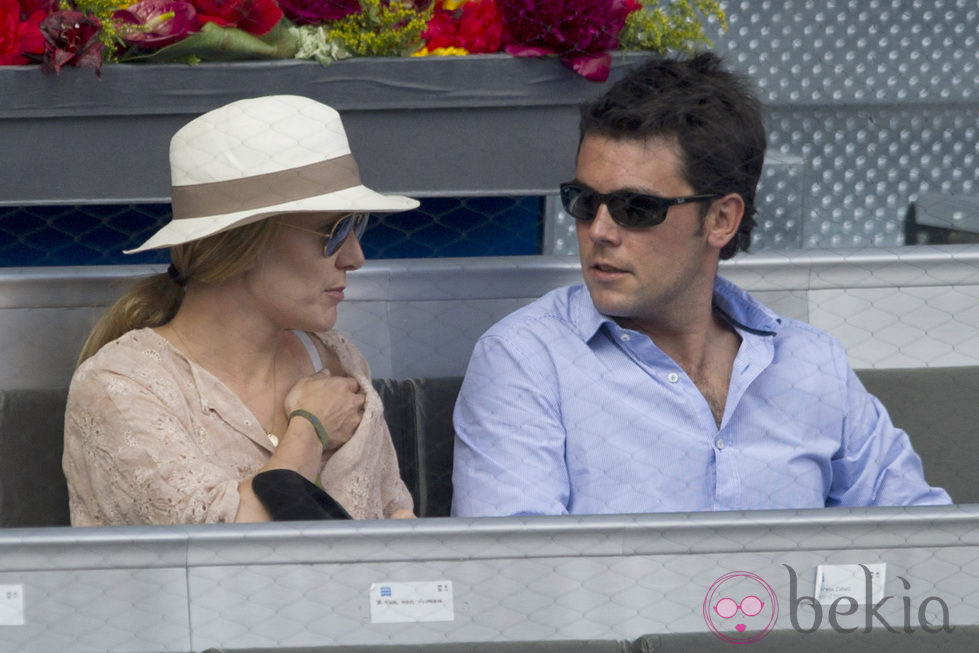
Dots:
{"x": 672, "y": 377}
{"x": 625, "y": 337}
{"x": 720, "y": 443}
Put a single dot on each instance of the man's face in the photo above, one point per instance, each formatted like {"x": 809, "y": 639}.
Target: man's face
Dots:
{"x": 645, "y": 274}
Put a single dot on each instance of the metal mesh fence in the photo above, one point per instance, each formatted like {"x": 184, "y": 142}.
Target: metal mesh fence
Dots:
{"x": 97, "y": 234}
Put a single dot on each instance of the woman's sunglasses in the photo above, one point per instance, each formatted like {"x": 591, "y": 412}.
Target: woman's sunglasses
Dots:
{"x": 352, "y": 222}
{"x": 628, "y": 209}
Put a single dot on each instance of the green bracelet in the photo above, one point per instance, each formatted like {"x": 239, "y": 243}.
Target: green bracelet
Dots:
{"x": 315, "y": 421}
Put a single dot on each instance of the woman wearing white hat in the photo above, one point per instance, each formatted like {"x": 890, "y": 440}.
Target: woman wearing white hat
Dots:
{"x": 212, "y": 392}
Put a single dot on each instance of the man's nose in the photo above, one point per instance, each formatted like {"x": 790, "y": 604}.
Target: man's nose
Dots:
{"x": 603, "y": 228}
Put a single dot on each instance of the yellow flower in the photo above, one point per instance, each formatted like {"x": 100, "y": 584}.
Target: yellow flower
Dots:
{"x": 381, "y": 29}
{"x": 678, "y": 26}
{"x": 441, "y": 52}
{"x": 452, "y": 5}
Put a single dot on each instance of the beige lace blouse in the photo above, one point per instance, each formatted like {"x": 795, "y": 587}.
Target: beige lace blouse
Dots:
{"x": 153, "y": 438}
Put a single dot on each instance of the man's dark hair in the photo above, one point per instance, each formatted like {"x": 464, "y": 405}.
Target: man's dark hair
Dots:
{"x": 713, "y": 115}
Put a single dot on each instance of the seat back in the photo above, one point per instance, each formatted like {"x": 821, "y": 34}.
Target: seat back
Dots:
{"x": 419, "y": 415}
{"x": 32, "y": 486}
{"x": 434, "y": 436}
{"x": 937, "y": 408}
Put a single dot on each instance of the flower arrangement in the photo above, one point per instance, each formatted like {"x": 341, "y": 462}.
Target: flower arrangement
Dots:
{"x": 89, "y": 33}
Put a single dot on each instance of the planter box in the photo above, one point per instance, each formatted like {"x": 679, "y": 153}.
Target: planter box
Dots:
{"x": 455, "y": 126}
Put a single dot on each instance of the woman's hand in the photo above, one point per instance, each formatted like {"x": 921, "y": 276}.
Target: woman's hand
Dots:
{"x": 337, "y": 401}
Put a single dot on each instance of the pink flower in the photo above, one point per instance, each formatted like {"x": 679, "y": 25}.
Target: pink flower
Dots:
{"x": 580, "y": 32}
{"x": 311, "y": 12}
{"x": 19, "y": 39}
{"x": 156, "y": 23}
{"x": 72, "y": 38}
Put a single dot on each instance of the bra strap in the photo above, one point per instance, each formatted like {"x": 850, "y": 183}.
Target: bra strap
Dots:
{"x": 314, "y": 355}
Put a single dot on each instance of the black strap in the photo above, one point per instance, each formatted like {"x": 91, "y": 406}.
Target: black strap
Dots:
{"x": 287, "y": 496}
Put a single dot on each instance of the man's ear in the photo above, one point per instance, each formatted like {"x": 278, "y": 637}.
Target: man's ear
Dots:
{"x": 724, "y": 219}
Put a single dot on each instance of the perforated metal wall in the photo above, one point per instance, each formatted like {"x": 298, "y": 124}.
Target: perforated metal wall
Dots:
{"x": 880, "y": 99}
{"x": 876, "y": 102}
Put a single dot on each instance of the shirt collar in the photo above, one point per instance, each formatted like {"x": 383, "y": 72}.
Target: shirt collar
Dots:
{"x": 742, "y": 310}
{"x": 734, "y": 304}
{"x": 586, "y": 318}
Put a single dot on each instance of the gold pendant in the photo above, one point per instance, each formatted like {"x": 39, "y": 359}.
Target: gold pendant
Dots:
{"x": 273, "y": 438}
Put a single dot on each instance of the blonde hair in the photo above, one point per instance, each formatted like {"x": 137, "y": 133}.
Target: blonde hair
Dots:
{"x": 154, "y": 300}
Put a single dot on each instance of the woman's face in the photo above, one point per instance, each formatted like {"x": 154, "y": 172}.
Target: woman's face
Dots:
{"x": 293, "y": 283}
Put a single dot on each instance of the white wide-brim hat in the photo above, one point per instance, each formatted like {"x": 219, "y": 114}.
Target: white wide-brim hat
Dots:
{"x": 260, "y": 157}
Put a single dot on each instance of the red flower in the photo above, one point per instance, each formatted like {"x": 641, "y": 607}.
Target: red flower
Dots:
{"x": 157, "y": 23}
{"x": 580, "y": 32}
{"x": 29, "y": 7}
{"x": 311, "y": 12}
{"x": 476, "y": 26}
{"x": 71, "y": 38}
{"x": 253, "y": 16}
{"x": 19, "y": 38}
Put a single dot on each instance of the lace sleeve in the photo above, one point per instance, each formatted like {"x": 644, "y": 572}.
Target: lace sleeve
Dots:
{"x": 134, "y": 455}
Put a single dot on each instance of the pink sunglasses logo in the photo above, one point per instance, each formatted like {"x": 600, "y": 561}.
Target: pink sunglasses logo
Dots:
{"x": 750, "y": 606}
{"x": 739, "y": 592}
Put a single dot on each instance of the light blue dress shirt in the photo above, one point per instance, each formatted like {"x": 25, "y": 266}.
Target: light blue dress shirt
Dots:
{"x": 563, "y": 411}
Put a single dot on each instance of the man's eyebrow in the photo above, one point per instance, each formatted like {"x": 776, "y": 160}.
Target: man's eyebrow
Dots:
{"x": 642, "y": 191}
{"x": 630, "y": 189}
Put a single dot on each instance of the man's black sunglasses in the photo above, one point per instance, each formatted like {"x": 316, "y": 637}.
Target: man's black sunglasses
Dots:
{"x": 626, "y": 208}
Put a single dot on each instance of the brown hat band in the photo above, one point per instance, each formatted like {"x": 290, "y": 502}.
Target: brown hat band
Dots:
{"x": 262, "y": 191}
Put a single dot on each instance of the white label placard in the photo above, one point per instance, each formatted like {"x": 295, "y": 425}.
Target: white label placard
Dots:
{"x": 408, "y": 602}
{"x": 11, "y": 605}
{"x": 834, "y": 581}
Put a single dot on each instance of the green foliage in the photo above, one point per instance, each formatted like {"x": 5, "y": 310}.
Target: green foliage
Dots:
{"x": 103, "y": 10}
{"x": 381, "y": 29}
{"x": 670, "y": 26}
{"x": 315, "y": 42}
{"x": 214, "y": 43}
